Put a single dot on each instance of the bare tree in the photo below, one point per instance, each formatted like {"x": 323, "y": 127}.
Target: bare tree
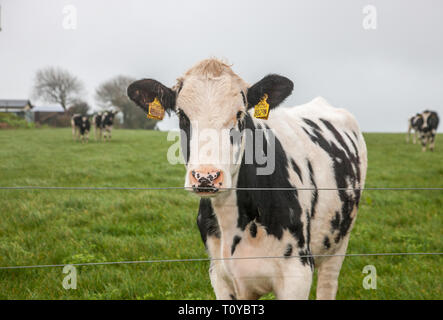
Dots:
{"x": 79, "y": 106}
{"x": 56, "y": 85}
{"x": 112, "y": 93}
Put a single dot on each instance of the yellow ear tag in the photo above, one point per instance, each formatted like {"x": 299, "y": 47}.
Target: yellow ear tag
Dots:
{"x": 261, "y": 109}
{"x": 155, "y": 110}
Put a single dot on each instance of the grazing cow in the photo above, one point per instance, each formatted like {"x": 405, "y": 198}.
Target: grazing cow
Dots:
{"x": 428, "y": 129}
{"x": 103, "y": 123}
{"x": 97, "y": 122}
{"x": 80, "y": 127}
{"x": 414, "y": 123}
{"x": 283, "y": 215}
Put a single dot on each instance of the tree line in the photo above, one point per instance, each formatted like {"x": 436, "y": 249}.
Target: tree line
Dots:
{"x": 57, "y": 85}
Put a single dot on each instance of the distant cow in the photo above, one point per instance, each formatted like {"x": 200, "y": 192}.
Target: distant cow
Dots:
{"x": 428, "y": 129}
{"x": 249, "y": 216}
{"x": 80, "y": 127}
{"x": 103, "y": 123}
{"x": 414, "y": 124}
{"x": 97, "y": 122}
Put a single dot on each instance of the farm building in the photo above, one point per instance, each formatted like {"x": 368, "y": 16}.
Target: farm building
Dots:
{"x": 21, "y": 108}
{"x": 53, "y": 115}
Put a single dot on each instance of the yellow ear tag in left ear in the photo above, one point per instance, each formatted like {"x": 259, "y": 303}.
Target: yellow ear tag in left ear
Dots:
{"x": 156, "y": 110}
{"x": 261, "y": 109}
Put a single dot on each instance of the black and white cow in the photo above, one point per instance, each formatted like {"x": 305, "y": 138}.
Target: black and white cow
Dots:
{"x": 80, "y": 127}
{"x": 103, "y": 123}
{"x": 414, "y": 123}
{"x": 428, "y": 129}
{"x": 247, "y": 212}
{"x": 97, "y": 122}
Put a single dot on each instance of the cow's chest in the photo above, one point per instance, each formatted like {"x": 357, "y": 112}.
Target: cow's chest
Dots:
{"x": 244, "y": 258}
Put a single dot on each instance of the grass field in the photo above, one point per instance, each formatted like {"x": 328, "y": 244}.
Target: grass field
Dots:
{"x": 63, "y": 226}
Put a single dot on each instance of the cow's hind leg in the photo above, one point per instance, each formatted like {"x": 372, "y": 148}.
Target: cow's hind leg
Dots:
{"x": 432, "y": 144}
{"x": 223, "y": 288}
{"x": 328, "y": 272}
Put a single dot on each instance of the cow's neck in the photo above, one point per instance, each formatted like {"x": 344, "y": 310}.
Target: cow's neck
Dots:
{"x": 237, "y": 208}
{"x": 270, "y": 208}
{"x": 225, "y": 208}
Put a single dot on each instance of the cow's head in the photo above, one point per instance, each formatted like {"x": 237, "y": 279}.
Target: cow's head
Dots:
{"x": 109, "y": 116}
{"x": 211, "y": 102}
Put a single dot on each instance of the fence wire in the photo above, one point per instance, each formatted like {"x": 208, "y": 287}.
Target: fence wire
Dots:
{"x": 220, "y": 189}
{"x": 224, "y": 259}
{"x": 220, "y": 259}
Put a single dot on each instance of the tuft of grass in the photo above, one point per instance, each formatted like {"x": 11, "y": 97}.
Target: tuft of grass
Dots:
{"x": 65, "y": 226}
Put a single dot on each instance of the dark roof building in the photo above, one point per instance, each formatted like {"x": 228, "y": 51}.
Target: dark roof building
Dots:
{"x": 15, "y": 106}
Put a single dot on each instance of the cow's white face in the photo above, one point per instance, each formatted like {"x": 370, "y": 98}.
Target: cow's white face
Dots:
{"x": 211, "y": 102}
{"x": 211, "y": 112}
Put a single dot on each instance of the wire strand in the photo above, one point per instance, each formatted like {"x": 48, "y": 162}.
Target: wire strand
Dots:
{"x": 224, "y": 259}
{"x": 221, "y": 189}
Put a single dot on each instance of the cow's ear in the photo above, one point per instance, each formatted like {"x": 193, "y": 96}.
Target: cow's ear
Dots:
{"x": 143, "y": 92}
{"x": 276, "y": 87}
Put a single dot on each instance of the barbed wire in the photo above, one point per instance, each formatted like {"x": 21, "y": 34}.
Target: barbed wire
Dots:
{"x": 222, "y": 259}
{"x": 220, "y": 189}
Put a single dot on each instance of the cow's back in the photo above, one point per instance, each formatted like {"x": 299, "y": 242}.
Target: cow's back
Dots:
{"x": 327, "y": 145}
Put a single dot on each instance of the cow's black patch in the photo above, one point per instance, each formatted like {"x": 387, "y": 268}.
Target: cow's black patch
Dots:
{"x": 235, "y": 242}
{"x": 253, "y": 229}
{"x": 335, "y": 222}
{"x": 288, "y": 250}
{"x": 243, "y": 97}
{"x": 346, "y": 170}
{"x": 308, "y": 228}
{"x": 306, "y": 258}
{"x": 355, "y": 135}
{"x": 314, "y": 198}
{"x": 276, "y": 210}
{"x": 297, "y": 170}
{"x": 326, "y": 243}
{"x": 207, "y": 221}
{"x": 312, "y": 124}
{"x": 185, "y": 134}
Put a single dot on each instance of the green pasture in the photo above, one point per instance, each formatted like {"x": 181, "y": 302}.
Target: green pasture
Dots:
{"x": 41, "y": 227}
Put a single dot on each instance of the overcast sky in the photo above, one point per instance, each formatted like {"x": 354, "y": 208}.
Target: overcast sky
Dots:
{"x": 381, "y": 75}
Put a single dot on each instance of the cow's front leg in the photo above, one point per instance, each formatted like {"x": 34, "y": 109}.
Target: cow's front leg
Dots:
{"x": 424, "y": 142}
{"x": 223, "y": 287}
{"x": 295, "y": 281}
